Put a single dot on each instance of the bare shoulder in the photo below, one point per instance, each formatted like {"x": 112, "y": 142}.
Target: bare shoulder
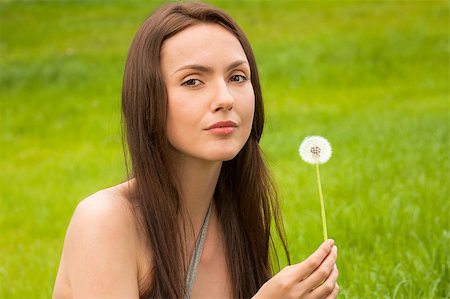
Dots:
{"x": 106, "y": 213}
{"x": 100, "y": 249}
{"x": 107, "y": 209}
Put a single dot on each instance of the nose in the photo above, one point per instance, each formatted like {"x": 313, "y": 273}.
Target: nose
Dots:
{"x": 222, "y": 98}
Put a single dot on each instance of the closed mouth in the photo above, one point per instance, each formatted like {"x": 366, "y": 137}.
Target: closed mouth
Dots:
{"x": 223, "y": 124}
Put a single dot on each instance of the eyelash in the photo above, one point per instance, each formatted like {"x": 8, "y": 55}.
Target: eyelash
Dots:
{"x": 242, "y": 76}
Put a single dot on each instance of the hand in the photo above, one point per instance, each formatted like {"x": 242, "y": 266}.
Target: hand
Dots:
{"x": 315, "y": 277}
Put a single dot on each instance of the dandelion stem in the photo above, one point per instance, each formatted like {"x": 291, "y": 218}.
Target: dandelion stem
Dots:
{"x": 322, "y": 206}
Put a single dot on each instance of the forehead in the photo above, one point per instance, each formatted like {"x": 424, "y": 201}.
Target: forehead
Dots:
{"x": 201, "y": 43}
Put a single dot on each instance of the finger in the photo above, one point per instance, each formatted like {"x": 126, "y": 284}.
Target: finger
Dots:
{"x": 305, "y": 268}
{"x": 335, "y": 292}
{"x": 327, "y": 287}
{"x": 321, "y": 273}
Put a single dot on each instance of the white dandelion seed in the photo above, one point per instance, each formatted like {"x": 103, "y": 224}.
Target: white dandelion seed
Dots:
{"x": 315, "y": 150}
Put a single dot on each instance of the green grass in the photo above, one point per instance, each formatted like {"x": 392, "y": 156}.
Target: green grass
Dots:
{"x": 371, "y": 77}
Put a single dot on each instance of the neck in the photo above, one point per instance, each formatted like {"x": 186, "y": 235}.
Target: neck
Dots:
{"x": 197, "y": 182}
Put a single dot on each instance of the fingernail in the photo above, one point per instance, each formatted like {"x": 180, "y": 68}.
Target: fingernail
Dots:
{"x": 330, "y": 241}
{"x": 334, "y": 249}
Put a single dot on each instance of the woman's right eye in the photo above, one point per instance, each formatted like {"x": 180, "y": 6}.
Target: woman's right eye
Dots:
{"x": 191, "y": 82}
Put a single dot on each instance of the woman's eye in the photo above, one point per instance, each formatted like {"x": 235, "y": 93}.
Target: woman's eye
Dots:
{"x": 191, "y": 82}
{"x": 238, "y": 78}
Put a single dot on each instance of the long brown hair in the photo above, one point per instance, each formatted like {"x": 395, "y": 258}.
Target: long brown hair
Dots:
{"x": 245, "y": 196}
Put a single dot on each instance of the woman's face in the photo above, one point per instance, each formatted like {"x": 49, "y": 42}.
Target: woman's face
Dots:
{"x": 210, "y": 95}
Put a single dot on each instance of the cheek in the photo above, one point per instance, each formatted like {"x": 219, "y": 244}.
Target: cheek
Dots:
{"x": 248, "y": 110}
{"x": 171, "y": 129}
{"x": 182, "y": 118}
{"x": 175, "y": 119}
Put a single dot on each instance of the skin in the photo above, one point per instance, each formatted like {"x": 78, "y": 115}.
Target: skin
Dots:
{"x": 199, "y": 98}
{"x": 304, "y": 280}
{"x": 104, "y": 254}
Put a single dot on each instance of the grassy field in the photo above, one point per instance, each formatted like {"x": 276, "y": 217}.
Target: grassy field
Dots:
{"x": 372, "y": 77}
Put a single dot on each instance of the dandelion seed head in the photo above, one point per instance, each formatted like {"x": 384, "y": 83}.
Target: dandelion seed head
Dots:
{"x": 315, "y": 149}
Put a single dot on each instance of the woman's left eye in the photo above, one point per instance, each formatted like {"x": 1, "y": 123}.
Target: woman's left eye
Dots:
{"x": 238, "y": 78}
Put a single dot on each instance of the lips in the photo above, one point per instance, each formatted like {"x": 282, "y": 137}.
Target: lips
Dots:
{"x": 223, "y": 124}
{"x": 222, "y": 128}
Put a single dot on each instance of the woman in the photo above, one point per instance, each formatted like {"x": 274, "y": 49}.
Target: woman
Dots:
{"x": 193, "y": 219}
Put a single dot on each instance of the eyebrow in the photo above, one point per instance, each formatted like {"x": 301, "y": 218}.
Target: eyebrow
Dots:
{"x": 207, "y": 69}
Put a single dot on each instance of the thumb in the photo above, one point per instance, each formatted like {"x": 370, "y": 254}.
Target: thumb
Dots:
{"x": 308, "y": 266}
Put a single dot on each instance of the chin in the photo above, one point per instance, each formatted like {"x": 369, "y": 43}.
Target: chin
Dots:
{"x": 229, "y": 158}
{"x": 223, "y": 155}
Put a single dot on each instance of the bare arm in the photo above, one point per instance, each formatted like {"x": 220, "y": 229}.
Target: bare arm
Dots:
{"x": 99, "y": 250}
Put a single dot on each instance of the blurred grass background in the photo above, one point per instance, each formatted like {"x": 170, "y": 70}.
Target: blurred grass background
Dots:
{"x": 372, "y": 77}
